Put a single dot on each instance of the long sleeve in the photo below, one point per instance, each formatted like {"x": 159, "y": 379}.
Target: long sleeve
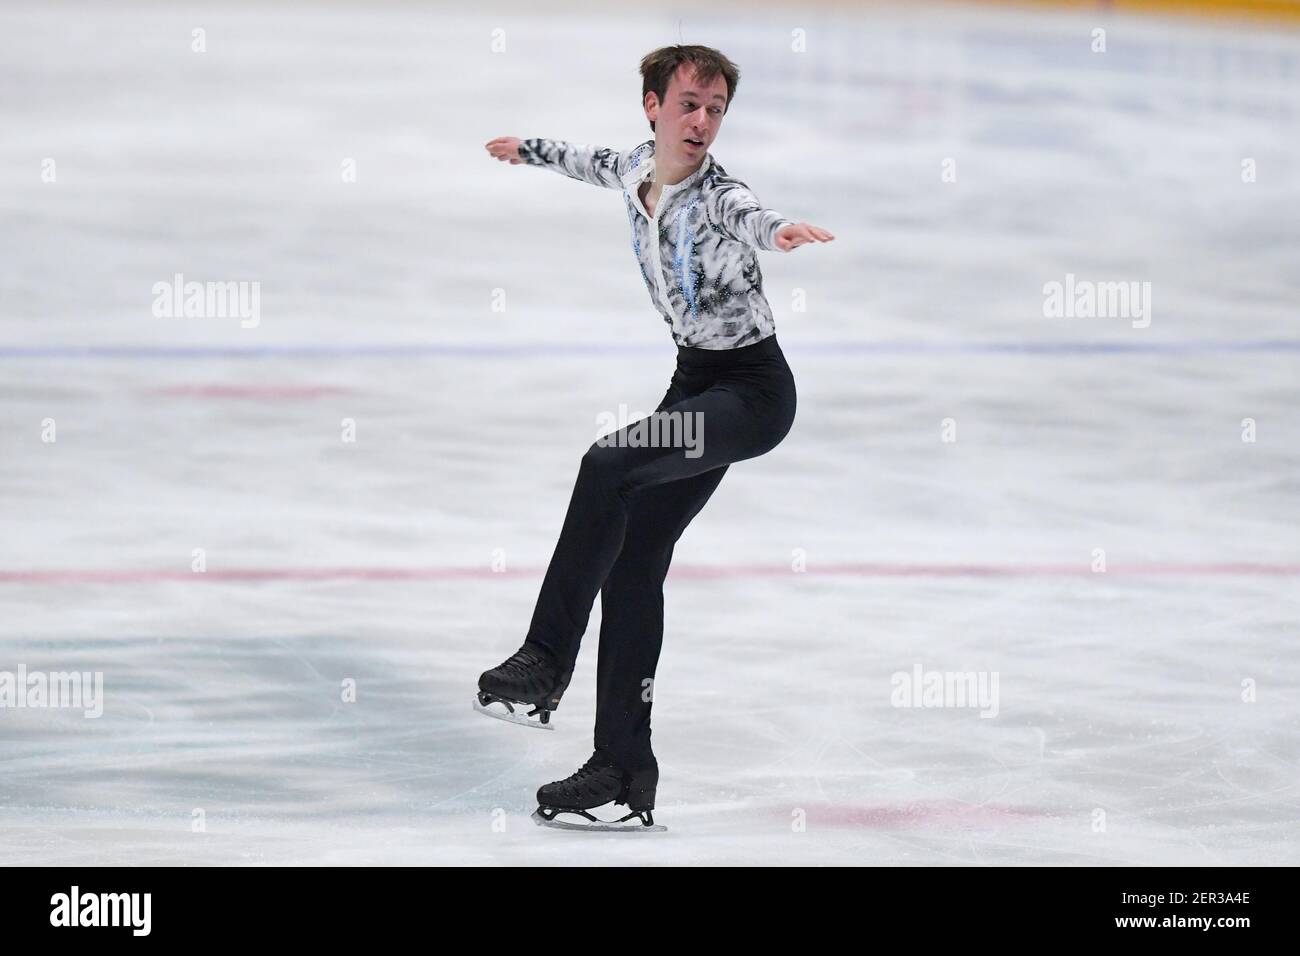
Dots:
{"x": 590, "y": 164}
{"x": 738, "y": 215}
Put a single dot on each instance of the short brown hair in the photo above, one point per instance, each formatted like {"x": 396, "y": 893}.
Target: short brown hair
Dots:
{"x": 657, "y": 69}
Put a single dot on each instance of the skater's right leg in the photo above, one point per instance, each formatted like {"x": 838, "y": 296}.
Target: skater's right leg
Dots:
{"x": 632, "y": 616}
{"x": 597, "y": 784}
{"x": 623, "y": 770}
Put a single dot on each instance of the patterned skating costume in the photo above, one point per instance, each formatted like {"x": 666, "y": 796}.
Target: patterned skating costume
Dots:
{"x": 702, "y": 272}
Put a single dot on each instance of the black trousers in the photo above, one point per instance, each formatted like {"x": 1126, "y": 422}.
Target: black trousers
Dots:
{"x": 636, "y": 492}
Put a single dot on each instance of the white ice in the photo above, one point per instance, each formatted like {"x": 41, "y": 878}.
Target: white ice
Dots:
{"x": 1148, "y": 714}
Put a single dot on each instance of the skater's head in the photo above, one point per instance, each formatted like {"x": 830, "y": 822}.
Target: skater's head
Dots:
{"x": 685, "y": 91}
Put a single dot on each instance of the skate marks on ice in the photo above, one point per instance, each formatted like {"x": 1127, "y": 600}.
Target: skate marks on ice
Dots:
{"x": 254, "y": 732}
{"x": 214, "y": 749}
{"x": 1104, "y": 750}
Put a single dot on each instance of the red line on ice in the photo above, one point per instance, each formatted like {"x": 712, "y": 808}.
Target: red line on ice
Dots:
{"x": 919, "y": 813}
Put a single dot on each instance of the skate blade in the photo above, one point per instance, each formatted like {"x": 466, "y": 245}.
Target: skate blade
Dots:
{"x": 598, "y": 826}
{"x": 515, "y": 718}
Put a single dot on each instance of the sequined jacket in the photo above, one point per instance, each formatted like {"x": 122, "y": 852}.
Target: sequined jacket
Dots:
{"x": 697, "y": 252}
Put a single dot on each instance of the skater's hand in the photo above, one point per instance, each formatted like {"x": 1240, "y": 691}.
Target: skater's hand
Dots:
{"x": 787, "y": 237}
{"x": 506, "y": 149}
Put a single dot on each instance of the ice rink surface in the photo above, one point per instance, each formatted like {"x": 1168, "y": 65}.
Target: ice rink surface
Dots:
{"x": 1147, "y": 714}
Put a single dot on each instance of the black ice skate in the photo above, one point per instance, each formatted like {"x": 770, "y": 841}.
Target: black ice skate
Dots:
{"x": 600, "y": 782}
{"x": 529, "y": 678}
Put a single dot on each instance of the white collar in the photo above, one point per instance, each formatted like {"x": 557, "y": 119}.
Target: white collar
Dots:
{"x": 646, "y": 169}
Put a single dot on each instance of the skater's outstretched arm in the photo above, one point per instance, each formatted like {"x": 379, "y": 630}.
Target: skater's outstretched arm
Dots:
{"x": 736, "y": 211}
{"x": 590, "y": 164}
{"x": 796, "y": 234}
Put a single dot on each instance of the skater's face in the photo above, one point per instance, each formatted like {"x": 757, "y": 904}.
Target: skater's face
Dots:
{"x": 688, "y": 120}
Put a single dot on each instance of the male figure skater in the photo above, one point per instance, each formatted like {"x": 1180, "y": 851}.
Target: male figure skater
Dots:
{"x": 695, "y": 234}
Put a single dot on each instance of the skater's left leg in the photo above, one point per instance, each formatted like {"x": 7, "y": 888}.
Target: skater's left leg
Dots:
{"x": 632, "y": 615}
{"x": 735, "y": 422}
